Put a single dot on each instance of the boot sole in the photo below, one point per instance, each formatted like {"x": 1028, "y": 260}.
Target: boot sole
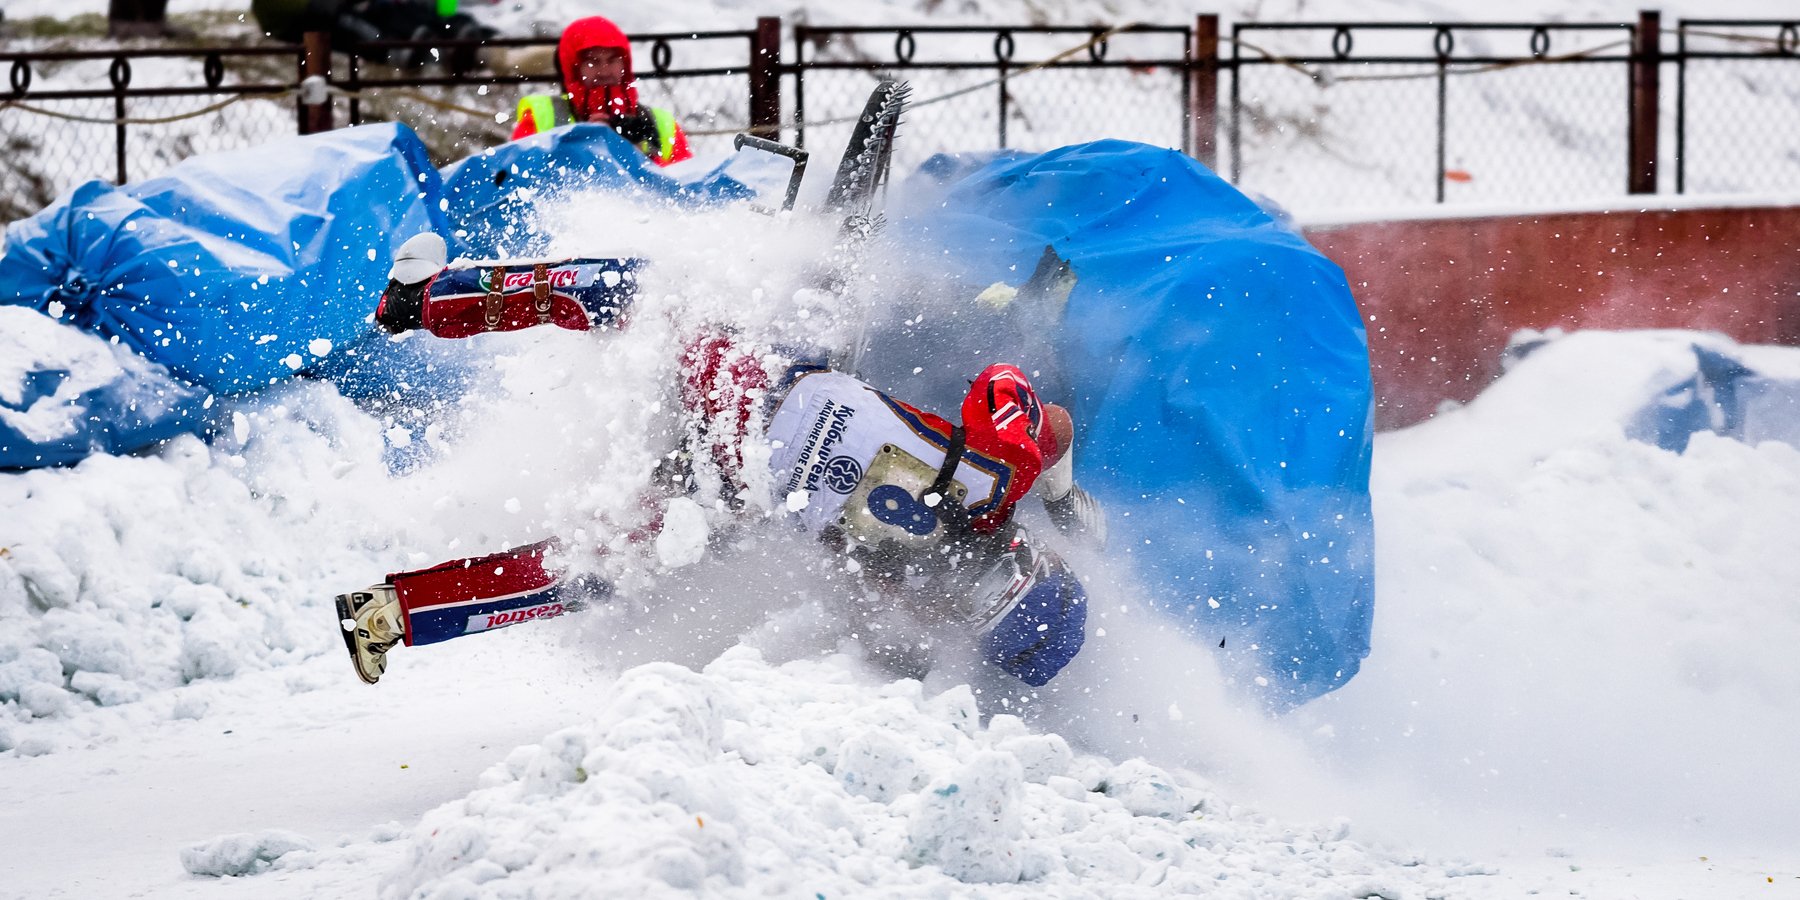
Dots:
{"x": 346, "y": 612}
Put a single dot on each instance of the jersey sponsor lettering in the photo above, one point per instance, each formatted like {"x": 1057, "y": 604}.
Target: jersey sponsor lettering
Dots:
{"x": 838, "y": 439}
{"x": 559, "y": 277}
{"x": 503, "y": 618}
{"x": 601, "y": 287}
{"x": 815, "y": 455}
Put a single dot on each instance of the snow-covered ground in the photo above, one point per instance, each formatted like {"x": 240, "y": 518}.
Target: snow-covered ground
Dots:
{"x": 1582, "y": 678}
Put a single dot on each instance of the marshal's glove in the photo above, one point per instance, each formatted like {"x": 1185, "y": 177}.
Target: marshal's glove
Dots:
{"x": 638, "y": 129}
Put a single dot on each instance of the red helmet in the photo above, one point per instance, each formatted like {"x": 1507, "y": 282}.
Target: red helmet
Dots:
{"x": 586, "y": 34}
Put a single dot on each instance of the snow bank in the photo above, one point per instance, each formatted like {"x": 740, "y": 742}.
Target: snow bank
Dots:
{"x": 812, "y": 778}
{"x": 1583, "y": 636}
{"x": 123, "y": 577}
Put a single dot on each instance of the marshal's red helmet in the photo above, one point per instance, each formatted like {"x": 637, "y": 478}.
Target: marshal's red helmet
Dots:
{"x": 585, "y": 34}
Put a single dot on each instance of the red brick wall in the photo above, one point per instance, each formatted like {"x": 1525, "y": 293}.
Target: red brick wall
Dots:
{"x": 1441, "y": 296}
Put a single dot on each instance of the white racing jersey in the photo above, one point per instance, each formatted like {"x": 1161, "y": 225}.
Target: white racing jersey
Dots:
{"x": 849, "y": 456}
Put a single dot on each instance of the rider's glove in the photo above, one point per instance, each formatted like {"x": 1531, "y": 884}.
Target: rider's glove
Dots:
{"x": 1078, "y": 514}
{"x": 417, "y": 261}
{"x": 402, "y": 307}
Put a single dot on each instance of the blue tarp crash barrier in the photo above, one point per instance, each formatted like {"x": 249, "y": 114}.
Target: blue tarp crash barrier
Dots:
{"x": 1218, "y": 372}
{"x": 66, "y": 394}
{"x": 490, "y": 196}
{"x": 1729, "y": 394}
{"x": 235, "y": 270}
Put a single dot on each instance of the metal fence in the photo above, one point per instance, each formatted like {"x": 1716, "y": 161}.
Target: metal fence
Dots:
{"x": 978, "y": 88}
{"x": 1348, "y": 114}
{"x": 1320, "y": 115}
{"x": 458, "y": 111}
{"x": 159, "y": 106}
{"x": 1737, "y": 106}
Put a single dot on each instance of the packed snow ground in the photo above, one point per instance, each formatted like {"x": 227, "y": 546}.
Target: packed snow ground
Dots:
{"x": 1582, "y": 683}
{"x": 1582, "y": 678}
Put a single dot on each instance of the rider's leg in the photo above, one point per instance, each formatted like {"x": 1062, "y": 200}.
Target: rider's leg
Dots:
{"x": 459, "y": 597}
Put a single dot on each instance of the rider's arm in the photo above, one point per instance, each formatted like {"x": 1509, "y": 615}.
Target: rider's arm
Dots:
{"x": 1074, "y": 511}
{"x": 466, "y": 300}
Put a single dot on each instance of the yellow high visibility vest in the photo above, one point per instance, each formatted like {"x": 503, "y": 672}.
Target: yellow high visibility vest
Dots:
{"x": 549, "y": 111}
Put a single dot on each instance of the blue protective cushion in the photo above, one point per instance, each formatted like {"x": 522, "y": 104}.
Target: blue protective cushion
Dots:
{"x": 234, "y": 269}
{"x": 1728, "y": 396}
{"x": 65, "y": 395}
{"x": 1218, "y": 372}
{"x": 491, "y": 195}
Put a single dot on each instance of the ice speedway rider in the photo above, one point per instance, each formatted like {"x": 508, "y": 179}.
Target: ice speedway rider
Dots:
{"x": 923, "y": 505}
{"x": 600, "y": 85}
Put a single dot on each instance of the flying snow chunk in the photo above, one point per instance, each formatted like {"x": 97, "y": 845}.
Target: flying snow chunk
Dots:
{"x": 319, "y": 347}
{"x": 998, "y": 295}
{"x": 293, "y": 361}
{"x": 682, "y": 541}
{"x": 797, "y": 501}
{"x": 399, "y": 436}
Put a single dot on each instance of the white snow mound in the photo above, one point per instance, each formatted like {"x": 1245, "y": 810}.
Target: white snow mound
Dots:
{"x": 815, "y": 779}
{"x": 241, "y": 854}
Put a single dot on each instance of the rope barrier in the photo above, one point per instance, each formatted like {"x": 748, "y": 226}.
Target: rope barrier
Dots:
{"x": 1320, "y": 77}
{"x": 130, "y": 120}
{"x": 1325, "y": 79}
{"x": 765, "y": 130}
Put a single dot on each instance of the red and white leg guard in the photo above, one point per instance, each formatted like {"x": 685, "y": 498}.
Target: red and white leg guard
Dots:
{"x": 465, "y": 596}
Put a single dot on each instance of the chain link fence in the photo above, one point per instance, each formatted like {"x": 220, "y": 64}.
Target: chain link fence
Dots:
{"x": 1348, "y": 115}
{"x": 980, "y": 89}
{"x": 1320, "y": 115}
{"x": 702, "y": 77}
{"x": 72, "y": 117}
{"x": 1738, "y": 106}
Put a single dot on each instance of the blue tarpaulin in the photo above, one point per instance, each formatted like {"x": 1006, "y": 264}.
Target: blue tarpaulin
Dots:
{"x": 1728, "y": 396}
{"x": 1217, "y": 369}
{"x": 490, "y": 196}
{"x": 65, "y": 395}
{"x": 235, "y": 269}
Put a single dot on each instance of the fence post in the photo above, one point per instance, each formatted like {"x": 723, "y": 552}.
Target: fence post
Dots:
{"x": 1203, "y": 93}
{"x": 120, "y": 76}
{"x": 1646, "y": 74}
{"x": 315, "y": 62}
{"x": 765, "y": 78}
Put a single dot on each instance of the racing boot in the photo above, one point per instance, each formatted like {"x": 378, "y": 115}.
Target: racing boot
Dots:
{"x": 372, "y": 626}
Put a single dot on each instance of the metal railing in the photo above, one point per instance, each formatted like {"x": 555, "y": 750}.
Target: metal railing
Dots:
{"x": 463, "y": 108}
{"x": 177, "y": 102}
{"x": 1740, "y": 81}
{"x": 976, "y": 87}
{"x": 1369, "y": 108}
{"x": 1325, "y": 114}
